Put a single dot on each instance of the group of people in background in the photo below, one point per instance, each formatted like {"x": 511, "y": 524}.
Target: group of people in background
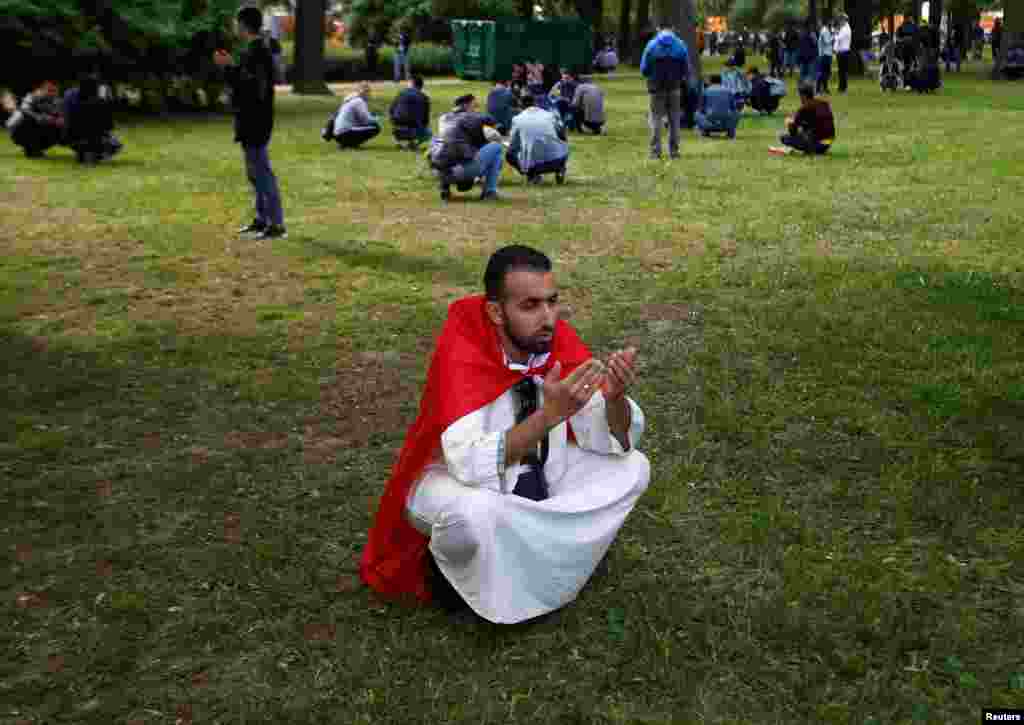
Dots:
{"x": 812, "y": 53}
{"x": 81, "y": 119}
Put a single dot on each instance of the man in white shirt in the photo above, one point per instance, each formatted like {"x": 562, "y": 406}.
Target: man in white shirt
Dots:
{"x": 842, "y": 46}
{"x": 514, "y": 480}
{"x": 537, "y": 144}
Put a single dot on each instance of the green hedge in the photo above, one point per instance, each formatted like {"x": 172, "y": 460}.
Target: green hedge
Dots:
{"x": 347, "y": 64}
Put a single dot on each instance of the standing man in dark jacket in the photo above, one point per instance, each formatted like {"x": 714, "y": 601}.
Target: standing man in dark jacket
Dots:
{"x": 410, "y": 111}
{"x": 252, "y": 94}
{"x": 666, "y": 66}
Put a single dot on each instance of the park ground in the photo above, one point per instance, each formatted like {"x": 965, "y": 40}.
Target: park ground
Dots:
{"x": 195, "y": 429}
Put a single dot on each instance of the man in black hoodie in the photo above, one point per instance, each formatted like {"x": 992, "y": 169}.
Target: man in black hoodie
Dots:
{"x": 410, "y": 114}
{"x": 252, "y": 94}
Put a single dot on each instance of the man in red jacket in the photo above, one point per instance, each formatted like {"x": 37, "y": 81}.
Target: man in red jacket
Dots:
{"x": 522, "y": 465}
{"x": 812, "y": 130}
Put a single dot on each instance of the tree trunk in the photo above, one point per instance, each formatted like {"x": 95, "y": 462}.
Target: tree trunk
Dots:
{"x": 308, "y": 71}
{"x": 592, "y": 11}
{"x": 625, "y": 29}
{"x": 1013, "y": 33}
{"x": 812, "y": 14}
{"x": 643, "y": 27}
{"x": 683, "y": 15}
{"x": 524, "y": 9}
{"x": 914, "y": 11}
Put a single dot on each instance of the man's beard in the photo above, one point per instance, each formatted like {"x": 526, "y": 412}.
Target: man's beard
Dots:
{"x": 529, "y": 344}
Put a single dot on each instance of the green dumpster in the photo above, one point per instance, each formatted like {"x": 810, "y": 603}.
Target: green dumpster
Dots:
{"x": 486, "y": 49}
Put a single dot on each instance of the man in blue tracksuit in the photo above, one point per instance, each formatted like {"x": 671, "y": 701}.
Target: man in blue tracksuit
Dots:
{"x": 666, "y": 65}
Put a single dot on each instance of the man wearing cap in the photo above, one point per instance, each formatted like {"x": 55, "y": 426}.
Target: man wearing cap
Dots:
{"x": 469, "y": 148}
{"x": 522, "y": 465}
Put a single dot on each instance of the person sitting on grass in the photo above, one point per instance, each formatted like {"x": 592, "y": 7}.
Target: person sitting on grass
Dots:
{"x": 502, "y": 105}
{"x": 38, "y": 123}
{"x": 587, "y": 109}
{"x": 718, "y": 112}
{"x": 538, "y": 144}
{"x": 522, "y": 465}
{"x": 469, "y": 148}
{"x": 812, "y": 130}
{"x": 355, "y": 125}
{"x": 410, "y": 114}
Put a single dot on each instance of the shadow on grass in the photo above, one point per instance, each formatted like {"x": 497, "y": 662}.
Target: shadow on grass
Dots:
{"x": 387, "y": 259}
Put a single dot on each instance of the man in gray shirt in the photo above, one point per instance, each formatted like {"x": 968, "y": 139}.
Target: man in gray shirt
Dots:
{"x": 588, "y": 107}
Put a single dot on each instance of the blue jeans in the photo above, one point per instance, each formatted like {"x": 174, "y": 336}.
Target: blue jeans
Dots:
{"x": 486, "y": 164}
{"x": 401, "y": 61}
{"x": 824, "y": 73}
{"x": 789, "y": 59}
{"x": 721, "y": 124}
{"x": 268, "y": 197}
{"x": 809, "y": 71}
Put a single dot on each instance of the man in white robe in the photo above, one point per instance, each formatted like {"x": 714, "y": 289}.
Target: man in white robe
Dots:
{"x": 519, "y": 499}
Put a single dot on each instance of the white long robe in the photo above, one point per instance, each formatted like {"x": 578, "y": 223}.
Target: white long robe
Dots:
{"x": 509, "y": 557}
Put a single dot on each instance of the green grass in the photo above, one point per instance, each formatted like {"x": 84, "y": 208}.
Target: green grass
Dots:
{"x": 195, "y": 429}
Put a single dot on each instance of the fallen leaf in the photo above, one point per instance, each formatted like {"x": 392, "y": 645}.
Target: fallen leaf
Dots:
{"x": 320, "y": 632}
{"x": 30, "y": 600}
{"x": 23, "y": 552}
{"x": 232, "y": 528}
{"x": 184, "y": 715}
{"x": 55, "y": 663}
{"x": 104, "y": 489}
{"x": 200, "y": 679}
{"x": 347, "y": 583}
{"x": 104, "y": 568}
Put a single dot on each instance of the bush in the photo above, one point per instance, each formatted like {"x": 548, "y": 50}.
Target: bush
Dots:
{"x": 349, "y": 64}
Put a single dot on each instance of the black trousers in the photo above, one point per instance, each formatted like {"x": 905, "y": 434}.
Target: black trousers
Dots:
{"x": 356, "y": 136}
{"x": 547, "y": 167}
{"x": 844, "y": 70}
{"x": 803, "y": 142}
{"x": 35, "y": 137}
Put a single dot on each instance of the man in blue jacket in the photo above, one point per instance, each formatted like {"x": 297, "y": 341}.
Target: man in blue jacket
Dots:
{"x": 718, "y": 112}
{"x": 666, "y": 65}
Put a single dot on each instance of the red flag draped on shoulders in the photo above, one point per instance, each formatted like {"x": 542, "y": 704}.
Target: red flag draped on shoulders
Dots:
{"x": 467, "y": 372}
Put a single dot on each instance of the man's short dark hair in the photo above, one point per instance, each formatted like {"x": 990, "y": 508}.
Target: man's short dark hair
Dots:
{"x": 506, "y": 259}
{"x": 806, "y": 90}
{"x": 716, "y": 79}
{"x": 417, "y": 82}
{"x": 464, "y": 100}
{"x": 251, "y": 19}
{"x": 527, "y": 102}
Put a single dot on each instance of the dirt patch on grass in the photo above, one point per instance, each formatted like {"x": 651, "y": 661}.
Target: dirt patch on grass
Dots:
{"x": 370, "y": 397}
{"x": 249, "y": 440}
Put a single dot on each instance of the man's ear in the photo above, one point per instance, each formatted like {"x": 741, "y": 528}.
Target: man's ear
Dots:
{"x": 495, "y": 313}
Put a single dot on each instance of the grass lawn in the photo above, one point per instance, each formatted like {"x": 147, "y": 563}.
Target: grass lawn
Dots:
{"x": 195, "y": 429}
